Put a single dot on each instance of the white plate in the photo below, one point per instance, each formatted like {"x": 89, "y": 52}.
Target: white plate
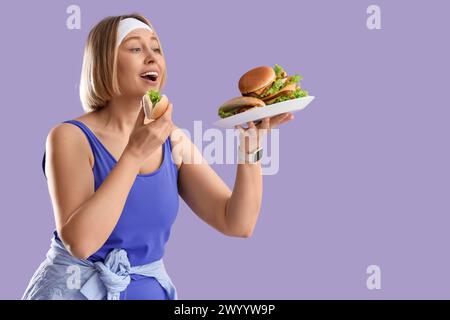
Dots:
{"x": 271, "y": 110}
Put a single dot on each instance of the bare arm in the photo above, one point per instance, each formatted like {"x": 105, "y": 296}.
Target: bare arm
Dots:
{"x": 84, "y": 218}
{"x": 244, "y": 205}
{"x": 233, "y": 213}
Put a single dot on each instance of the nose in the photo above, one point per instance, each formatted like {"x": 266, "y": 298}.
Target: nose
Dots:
{"x": 149, "y": 58}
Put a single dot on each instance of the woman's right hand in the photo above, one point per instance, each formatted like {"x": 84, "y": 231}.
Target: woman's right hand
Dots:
{"x": 147, "y": 138}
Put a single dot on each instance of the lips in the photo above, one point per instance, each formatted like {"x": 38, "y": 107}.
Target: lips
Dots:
{"x": 149, "y": 81}
{"x": 150, "y": 77}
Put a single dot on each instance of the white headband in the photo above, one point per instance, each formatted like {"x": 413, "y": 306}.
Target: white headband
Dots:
{"x": 127, "y": 25}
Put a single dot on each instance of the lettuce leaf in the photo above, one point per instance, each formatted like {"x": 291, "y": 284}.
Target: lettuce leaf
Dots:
{"x": 224, "y": 114}
{"x": 294, "y": 79}
{"x": 154, "y": 96}
{"x": 278, "y": 70}
{"x": 298, "y": 93}
{"x": 278, "y": 85}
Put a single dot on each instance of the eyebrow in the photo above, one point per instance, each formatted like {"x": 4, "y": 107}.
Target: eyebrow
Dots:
{"x": 138, "y": 37}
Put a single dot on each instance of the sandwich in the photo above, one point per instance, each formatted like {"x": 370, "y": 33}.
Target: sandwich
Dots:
{"x": 154, "y": 104}
{"x": 262, "y": 86}
{"x": 238, "y": 105}
{"x": 272, "y": 85}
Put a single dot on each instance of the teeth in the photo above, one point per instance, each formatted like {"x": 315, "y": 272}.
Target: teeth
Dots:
{"x": 150, "y": 73}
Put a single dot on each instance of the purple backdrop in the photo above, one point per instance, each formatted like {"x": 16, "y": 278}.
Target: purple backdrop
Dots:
{"x": 364, "y": 170}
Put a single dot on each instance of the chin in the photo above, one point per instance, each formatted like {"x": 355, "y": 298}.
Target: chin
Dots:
{"x": 150, "y": 87}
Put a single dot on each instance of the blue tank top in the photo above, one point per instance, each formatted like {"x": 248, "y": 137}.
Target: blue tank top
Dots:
{"x": 150, "y": 209}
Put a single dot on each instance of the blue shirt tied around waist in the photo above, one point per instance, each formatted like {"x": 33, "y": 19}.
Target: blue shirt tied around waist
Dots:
{"x": 130, "y": 262}
{"x": 100, "y": 279}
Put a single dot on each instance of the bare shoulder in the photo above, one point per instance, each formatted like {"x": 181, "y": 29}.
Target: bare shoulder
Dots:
{"x": 69, "y": 175}
{"x": 66, "y": 137}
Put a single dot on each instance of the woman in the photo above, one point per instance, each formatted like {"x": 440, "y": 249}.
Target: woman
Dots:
{"x": 114, "y": 180}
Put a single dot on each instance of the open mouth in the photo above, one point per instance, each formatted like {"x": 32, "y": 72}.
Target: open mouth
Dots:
{"x": 151, "y": 77}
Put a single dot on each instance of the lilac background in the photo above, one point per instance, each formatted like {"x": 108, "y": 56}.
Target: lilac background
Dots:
{"x": 364, "y": 171}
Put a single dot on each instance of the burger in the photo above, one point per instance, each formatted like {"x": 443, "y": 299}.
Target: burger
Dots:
{"x": 262, "y": 86}
{"x": 154, "y": 104}
{"x": 272, "y": 85}
{"x": 238, "y": 105}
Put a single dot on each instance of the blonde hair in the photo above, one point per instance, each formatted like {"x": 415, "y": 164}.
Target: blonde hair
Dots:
{"x": 99, "y": 81}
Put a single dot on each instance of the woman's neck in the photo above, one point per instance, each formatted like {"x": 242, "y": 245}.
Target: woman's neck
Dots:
{"x": 119, "y": 115}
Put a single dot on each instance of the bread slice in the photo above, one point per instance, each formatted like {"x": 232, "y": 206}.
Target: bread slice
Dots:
{"x": 155, "y": 111}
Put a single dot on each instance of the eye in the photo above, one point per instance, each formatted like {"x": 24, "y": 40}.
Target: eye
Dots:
{"x": 135, "y": 49}
{"x": 157, "y": 50}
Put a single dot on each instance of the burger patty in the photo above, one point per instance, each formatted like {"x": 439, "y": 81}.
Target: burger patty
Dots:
{"x": 262, "y": 93}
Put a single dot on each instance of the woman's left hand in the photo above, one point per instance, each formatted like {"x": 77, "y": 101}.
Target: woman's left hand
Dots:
{"x": 250, "y": 138}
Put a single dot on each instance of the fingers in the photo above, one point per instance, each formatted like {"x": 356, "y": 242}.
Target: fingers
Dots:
{"x": 279, "y": 117}
{"x": 167, "y": 115}
{"x": 250, "y": 125}
{"x": 140, "y": 118}
{"x": 251, "y": 128}
{"x": 265, "y": 123}
{"x": 164, "y": 122}
{"x": 276, "y": 121}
